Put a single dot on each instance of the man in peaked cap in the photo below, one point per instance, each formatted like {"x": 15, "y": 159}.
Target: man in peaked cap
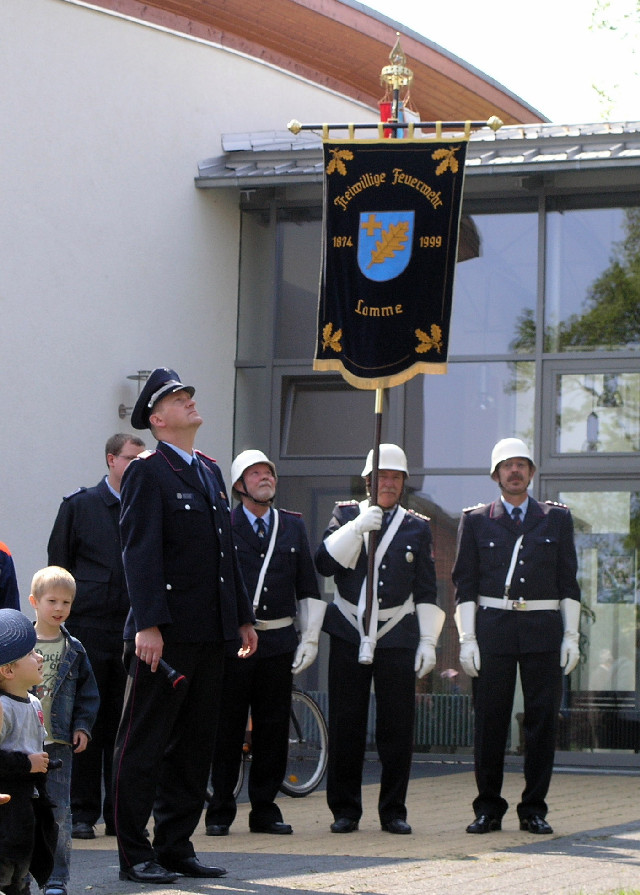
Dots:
{"x": 405, "y": 626}
{"x": 187, "y": 600}
{"x": 517, "y": 606}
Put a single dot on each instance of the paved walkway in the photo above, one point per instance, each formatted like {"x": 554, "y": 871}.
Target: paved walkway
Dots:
{"x": 594, "y": 850}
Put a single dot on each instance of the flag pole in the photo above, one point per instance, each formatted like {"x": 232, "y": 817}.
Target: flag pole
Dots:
{"x": 373, "y": 535}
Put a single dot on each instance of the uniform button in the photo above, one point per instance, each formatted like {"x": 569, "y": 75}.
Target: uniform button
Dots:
{"x": 219, "y": 531}
{"x": 293, "y": 550}
{"x": 383, "y": 566}
{"x": 521, "y": 562}
{"x": 214, "y": 506}
{"x": 380, "y": 583}
{"x": 265, "y": 589}
{"x": 221, "y": 580}
{"x": 168, "y": 587}
{"x": 491, "y": 544}
{"x": 522, "y": 580}
{"x": 262, "y": 556}
{"x": 264, "y": 608}
{"x": 221, "y": 553}
{"x": 187, "y": 506}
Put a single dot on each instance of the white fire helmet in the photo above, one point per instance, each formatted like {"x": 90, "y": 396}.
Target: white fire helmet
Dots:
{"x": 246, "y": 459}
{"x": 391, "y": 457}
{"x": 507, "y": 449}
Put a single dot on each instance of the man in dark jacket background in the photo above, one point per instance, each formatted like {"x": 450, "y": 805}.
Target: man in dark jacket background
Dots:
{"x": 85, "y": 540}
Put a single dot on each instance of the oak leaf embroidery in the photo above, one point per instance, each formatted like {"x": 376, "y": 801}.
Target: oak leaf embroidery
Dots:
{"x": 392, "y": 240}
{"x": 337, "y": 163}
{"x": 448, "y": 160}
{"x": 331, "y": 339}
{"x": 428, "y": 342}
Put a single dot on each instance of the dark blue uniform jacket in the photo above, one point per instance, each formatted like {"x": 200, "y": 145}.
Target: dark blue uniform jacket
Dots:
{"x": 545, "y": 570}
{"x": 85, "y": 540}
{"x": 406, "y": 568}
{"x": 290, "y": 576}
{"x": 179, "y": 559}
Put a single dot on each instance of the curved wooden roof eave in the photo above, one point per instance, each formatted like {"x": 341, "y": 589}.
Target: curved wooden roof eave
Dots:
{"x": 341, "y": 45}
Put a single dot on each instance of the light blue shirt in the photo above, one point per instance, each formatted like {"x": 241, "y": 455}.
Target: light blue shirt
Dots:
{"x": 509, "y": 506}
{"x": 252, "y": 519}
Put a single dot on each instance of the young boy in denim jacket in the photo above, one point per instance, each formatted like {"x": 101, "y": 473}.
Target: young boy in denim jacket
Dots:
{"x": 69, "y": 697}
{"x": 27, "y": 828}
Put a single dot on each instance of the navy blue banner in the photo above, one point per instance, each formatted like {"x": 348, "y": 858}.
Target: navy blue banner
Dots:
{"x": 390, "y": 239}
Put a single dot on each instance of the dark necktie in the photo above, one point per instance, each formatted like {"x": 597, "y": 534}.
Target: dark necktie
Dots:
{"x": 516, "y": 513}
{"x": 261, "y": 528}
{"x": 203, "y": 476}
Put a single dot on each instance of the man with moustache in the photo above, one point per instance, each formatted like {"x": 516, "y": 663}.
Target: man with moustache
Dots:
{"x": 276, "y": 564}
{"x": 401, "y": 641}
{"x": 518, "y": 607}
{"x": 187, "y": 600}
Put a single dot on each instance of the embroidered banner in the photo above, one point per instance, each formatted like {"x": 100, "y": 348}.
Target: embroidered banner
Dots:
{"x": 390, "y": 237}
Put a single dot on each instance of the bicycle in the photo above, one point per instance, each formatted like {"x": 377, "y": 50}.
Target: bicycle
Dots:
{"x": 308, "y": 749}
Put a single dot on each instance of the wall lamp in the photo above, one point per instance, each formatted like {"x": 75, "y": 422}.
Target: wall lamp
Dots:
{"x": 139, "y": 377}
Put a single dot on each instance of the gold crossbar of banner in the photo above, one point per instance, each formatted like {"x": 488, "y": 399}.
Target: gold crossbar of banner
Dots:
{"x": 494, "y": 123}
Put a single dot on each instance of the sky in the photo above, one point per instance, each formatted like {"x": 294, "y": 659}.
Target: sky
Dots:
{"x": 544, "y": 51}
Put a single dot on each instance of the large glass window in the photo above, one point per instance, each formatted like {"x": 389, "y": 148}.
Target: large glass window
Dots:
{"x": 453, "y": 421}
{"x": 495, "y": 291}
{"x": 298, "y": 278}
{"x": 592, "y": 294}
{"x": 598, "y": 412}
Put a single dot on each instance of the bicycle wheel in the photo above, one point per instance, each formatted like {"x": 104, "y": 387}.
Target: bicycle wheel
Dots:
{"x": 308, "y": 739}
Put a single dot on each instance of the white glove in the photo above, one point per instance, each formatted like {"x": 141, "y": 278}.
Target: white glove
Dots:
{"x": 311, "y": 615}
{"x": 345, "y": 543}
{"x": 570, "y": 647}
{"x": 465, "y": 616}
{"x": 369, "y": 520}
{"x": 430, "y": 621}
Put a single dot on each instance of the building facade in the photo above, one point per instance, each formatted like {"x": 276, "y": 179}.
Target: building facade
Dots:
{"x": 545, "y": 335}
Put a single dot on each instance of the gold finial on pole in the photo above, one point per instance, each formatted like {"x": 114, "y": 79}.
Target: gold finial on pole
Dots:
{"x": 395, "y": 76}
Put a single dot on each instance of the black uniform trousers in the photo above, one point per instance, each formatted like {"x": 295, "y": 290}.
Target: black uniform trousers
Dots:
{"x": 393, "y": 676}
{"x": 493, "y": 692}
{"x": 264, "y": 686}
{"x": 104, "y": 649}
{"x": 167, "y": 736}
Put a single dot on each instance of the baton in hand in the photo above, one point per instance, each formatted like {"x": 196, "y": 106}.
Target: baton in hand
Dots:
{"x": 174, "y": 677}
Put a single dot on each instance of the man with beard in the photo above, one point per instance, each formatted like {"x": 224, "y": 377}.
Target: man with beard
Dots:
{"x": 517, "y": 607}
{"x": 276, "y": 564}
{"x": 401, "y": 641}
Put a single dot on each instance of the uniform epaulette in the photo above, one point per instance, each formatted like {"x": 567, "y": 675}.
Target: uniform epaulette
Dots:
{"x": 474, "y": 507}
{"x": 144, "y": 455}
{"x": 73, "y": 493}
{"x": 347, "y": 503}
{"x": 419, "y": 515}
{"x": 555, "y": 503}
{"x": 206, "y": 456}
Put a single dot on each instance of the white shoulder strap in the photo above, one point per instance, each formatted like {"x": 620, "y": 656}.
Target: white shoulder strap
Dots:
{"x": 267, "y": 558}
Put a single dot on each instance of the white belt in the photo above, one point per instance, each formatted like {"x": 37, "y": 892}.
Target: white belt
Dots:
{"x": 270, "y": 624}
{"x": 521, "y": 605}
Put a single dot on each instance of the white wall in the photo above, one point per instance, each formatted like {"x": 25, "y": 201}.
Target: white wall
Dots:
{"x": 110, "y": 259}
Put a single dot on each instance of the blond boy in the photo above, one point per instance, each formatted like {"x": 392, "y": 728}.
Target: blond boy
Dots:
{"x": 69, "y": 697}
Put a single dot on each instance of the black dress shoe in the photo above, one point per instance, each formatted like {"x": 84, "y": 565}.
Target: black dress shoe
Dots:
{"x": 535, "y": 824}
{"x": 148, "y": 872}
{"x": 193, "y": 867}
{"x": 277, "y": 827}
{"x": 217, "y": 829}
{"x": 485, "y": 824}
{"x": 344, "y": 825}
{"x": 397, "y": 826}
{"x": 82, "y": 831}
